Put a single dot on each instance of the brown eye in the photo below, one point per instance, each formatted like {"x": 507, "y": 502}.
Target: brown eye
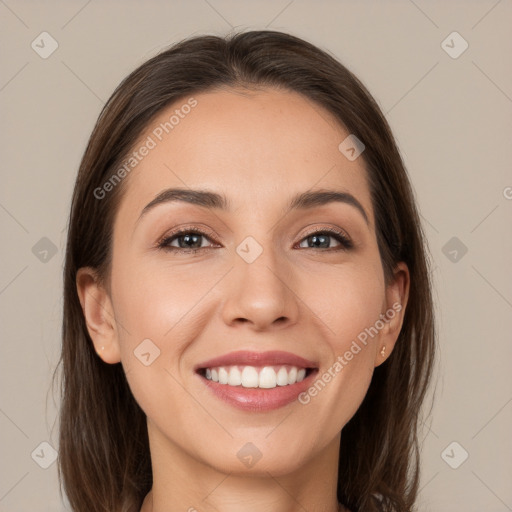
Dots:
{"x": 188, "y": 240}
{"x": 321, "y": 239}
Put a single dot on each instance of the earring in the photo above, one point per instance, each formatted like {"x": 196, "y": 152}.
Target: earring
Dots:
{"x": 383, "y": 351}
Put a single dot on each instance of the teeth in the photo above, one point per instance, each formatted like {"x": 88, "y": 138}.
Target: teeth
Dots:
{"x": 250, "y": 377}
{"x": 266, "y": 377}
{"x": 223, "y": 376}
{"x": 235, "y": 377}
{"x": 282, "y": 377}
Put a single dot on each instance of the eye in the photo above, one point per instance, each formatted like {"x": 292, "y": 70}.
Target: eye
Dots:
{"x": 320, "y": 239}
{"x": 190, "y": 240}
{"x": 185, "y": 240}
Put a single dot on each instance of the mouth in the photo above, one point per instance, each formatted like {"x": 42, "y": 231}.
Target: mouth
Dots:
{"x": 255, "y": 381}
{"x": 263, "y": 377}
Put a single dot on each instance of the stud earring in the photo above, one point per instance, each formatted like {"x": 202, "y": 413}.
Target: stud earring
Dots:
{"x": 383, "y": 351}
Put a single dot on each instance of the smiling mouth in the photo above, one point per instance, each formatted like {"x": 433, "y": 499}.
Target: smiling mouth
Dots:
{"x": 263, "y": 377}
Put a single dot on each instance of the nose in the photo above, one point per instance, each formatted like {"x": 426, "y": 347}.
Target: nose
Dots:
{"x": 261, "y": 293}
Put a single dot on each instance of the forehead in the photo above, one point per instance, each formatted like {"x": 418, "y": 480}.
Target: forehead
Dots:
{"x": 258, "y": 146}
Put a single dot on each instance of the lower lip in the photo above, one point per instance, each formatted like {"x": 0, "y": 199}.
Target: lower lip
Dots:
{"x": 259, "y": 399}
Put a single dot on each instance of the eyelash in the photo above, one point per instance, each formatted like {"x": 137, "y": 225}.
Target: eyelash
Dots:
{"x": 163, "y": 244}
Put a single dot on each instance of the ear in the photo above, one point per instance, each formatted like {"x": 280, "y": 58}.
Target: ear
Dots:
{"x": 397, "y": 295}
{"x": 99, "y": 315}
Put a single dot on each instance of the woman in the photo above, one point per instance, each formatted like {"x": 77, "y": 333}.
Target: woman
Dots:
{"x": 248, "y": 319}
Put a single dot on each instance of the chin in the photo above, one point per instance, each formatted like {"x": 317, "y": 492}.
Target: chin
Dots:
{"x": 257, "y": 455}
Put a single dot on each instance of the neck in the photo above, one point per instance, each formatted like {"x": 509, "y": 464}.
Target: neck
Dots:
{"x": 147, "y": 506}
{"x": 184, "y": 482}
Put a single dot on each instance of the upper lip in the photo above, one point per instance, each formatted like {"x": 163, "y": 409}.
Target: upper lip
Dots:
{"x": 248, "y": 358}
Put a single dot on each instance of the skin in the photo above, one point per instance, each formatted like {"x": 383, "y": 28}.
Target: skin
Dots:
{"x": 258, "y": 148}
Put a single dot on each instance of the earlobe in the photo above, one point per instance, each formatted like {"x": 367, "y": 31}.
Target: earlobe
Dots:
{"x": 99, "y": 315}
{"x": 397, "y": 295}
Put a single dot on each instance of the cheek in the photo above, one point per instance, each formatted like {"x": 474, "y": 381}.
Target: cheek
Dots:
{"x": 154, "y": 301}
{"x": 161, "y": 309}
{"x": 348, "y": 300}
{"x": 158, "y": 314}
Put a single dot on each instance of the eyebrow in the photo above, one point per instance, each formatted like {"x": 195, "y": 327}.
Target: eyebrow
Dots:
{"x": 213, "y": 200}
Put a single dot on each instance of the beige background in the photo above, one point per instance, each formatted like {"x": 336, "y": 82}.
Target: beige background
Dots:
{"x": 452, "y": 119}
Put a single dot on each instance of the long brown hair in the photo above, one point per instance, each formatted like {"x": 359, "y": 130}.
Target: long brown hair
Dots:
{"x": 105, "y": 466}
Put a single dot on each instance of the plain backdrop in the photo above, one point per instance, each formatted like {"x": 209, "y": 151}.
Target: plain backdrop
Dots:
{"x": 441, "y": 72}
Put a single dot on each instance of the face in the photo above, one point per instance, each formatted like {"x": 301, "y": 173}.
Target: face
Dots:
{"x": 279, "y": 287}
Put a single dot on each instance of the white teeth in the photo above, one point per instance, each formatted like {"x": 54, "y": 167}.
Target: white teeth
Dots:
{"x": 249, "y": 377}
{"x": 223, "y": 376}
{"x": 235, "y": 377}
{"x": 282, "y": 377}
{"x": 267, "y": 377}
